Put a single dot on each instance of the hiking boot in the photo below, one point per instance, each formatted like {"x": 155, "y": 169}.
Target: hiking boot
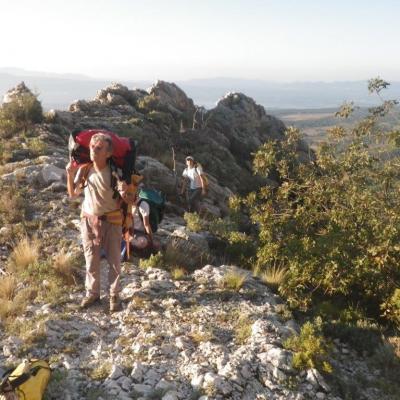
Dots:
{"x": 115, "y": 304}
{"x": 89, "y": 301}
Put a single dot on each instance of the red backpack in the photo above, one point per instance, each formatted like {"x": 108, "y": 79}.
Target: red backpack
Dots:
{"x": 124, "y": 151}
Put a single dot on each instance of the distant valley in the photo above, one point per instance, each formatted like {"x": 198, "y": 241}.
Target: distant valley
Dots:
{"x": 59, "y": 90}
{"x": 309, "y": 106}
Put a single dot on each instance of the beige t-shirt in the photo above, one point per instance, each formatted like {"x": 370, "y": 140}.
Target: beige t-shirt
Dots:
{"x": 98, "y": 193}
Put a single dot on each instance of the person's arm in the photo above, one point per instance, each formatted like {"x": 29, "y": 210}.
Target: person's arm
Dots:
{"x": 126, "y": 194}
{"x": 184, "y": 181}
{"x": 144, "y": 210}
{"x": 73, "y": 188}
{"x": 147, "y": 227}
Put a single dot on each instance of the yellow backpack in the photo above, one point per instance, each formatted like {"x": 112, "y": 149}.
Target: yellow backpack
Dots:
{"x": 26, "y": 382}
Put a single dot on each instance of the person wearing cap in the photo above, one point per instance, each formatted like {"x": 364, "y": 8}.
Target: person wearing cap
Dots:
{"x": 193, "y": 173}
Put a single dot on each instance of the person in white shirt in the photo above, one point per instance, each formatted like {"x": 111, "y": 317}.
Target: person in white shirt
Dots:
{"x": 193, "y": 173}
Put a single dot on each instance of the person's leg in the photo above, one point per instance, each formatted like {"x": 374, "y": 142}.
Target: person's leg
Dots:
{"x": 112, "y": 235}
{"x": 192, "y": 200}
{"x": 196, "y": 197}
{"x": 92, "y": 258}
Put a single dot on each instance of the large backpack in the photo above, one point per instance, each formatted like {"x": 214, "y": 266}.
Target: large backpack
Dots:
{"x": 156, "y": 201}
{"x": 203, "y": 175}
{"x": 26, "y": 382}
{"x": 124, "y": 151}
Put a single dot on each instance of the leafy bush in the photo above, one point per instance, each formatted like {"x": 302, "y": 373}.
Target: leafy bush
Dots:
{"x": 241, "y": 248}
{"x": 193, "y": 222}
{"x": 310, "y": 348}
{"x": 334, "y": 221}
{"x": 20, "y": 113}
{"x": 391, "y": 308}
{"x": 154, "y": 261}
{"x": 162, "y": 119}
{"x": 37, "y": 146}
{"x": 148, "y": 103}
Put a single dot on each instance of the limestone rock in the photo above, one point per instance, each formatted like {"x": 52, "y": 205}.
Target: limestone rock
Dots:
{"x": 170, "y": 96}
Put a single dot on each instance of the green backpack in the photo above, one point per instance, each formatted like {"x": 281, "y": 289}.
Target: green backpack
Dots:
{"x": 156, "y": 201}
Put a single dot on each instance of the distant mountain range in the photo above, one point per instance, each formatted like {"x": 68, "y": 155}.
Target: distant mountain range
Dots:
{"x": 59, "y": 90}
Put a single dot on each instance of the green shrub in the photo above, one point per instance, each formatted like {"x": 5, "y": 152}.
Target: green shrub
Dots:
{"x": 154, "y": 261}
{"x": 222, "y": 227}
{"x": 20, "y": 113}
{"x": 162, "y": 119}
{"x": 148, "y": 103}
{"x": 37, "y": 146}
{"x": 334, "y": 221}
{"x": 193, "y": 222}
{"x": 391, "y": 307}
{"x": 362, "y": 335}
{"x": 309, "y": 347}
{"x": 241, "y": 248}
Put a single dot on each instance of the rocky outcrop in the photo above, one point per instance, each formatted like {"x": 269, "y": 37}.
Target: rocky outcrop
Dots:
{"x": 18, "y": 92}
{"x": 117, "y": 94}
{"x": 169, "y": 96}
{"x": 245, "y": 124}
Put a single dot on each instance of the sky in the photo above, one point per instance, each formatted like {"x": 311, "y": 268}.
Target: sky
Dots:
{"x": 273, "y": 40}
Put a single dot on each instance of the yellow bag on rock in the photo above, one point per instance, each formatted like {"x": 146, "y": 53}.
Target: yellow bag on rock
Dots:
{"x": 29, "y": 380}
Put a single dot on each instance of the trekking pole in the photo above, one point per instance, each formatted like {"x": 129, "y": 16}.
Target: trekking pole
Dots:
{"x": 174, "y": 170}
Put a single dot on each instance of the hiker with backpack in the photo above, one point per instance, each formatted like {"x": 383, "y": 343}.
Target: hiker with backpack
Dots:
{"x": 101, "y": 217}
{"x": 193, "y": 173}
{"x": 147, "y": 213}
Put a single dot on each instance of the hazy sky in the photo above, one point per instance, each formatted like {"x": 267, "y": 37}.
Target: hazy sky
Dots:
{"x": 280, "y": 40}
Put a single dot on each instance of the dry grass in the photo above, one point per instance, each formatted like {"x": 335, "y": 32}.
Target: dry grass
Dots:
{"x": 139, "y": 302}
{"x": 64, "y": 267}
{"x": 33, "y": 332}
{"x": 274, "y": 277}
{"x": 202, "y": 336}
{"x": 16, "y": 306}
{"x": 101, "y": 372}
{"x": 13, "y": 204}
{"x": 178, "y": 273}
{"x": 234, "y": 280}
{"x": 8, "y": 287}
{"x": 242, "y": 329}
{"x": 25, "y": 253}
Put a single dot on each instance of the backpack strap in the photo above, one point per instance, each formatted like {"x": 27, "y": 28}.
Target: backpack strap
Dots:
{"x": 84, "y": 171}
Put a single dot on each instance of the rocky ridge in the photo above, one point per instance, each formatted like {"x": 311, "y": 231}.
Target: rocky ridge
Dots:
{"x": 175, "y": 339}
